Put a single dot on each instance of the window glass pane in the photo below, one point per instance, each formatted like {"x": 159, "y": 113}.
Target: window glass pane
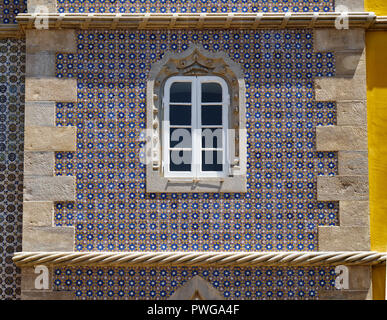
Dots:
{"x": 212, "y": 138}
{"x": 180, "y": 92}
{"x": 180, "y": 138}
{"x": 180, "y": 160}
{"x": 211, "y": 92}
{"x": 212, "y": 161}
{"x": 180, "y": 115}
{"x": 211, "y": 115}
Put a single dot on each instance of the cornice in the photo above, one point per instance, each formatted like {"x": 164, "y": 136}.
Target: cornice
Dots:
{"x": 157, "y": 21}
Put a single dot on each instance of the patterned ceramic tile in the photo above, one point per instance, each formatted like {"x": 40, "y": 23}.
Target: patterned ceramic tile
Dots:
{"x": 194, "y": 6}
{"x": 9, "y": 10}
{"x": 113, "y": 212}
{"x": 158, "y": 283}
{"x": 11, "y": 162}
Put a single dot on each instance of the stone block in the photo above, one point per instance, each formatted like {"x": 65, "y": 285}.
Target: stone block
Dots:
{"x": 347, "y": 63}
{"x": 40, "y": 64}
{"x": 344, "y": 295}
{"x": 39, "y": 163}
{"x": 354, "y": 213}
{"x": 351, "y": 5}
{"x": 51, "y": 89}
{"x": 59, "y": 40}
{"x": 360, "y": 277}
{"x": 196, "y": 287}
{"x": 49, "y": 188}
{"x": 40, "y": 113}
{"x": 353, "y": 163}
{"x": 335, "y": 188}
{"x": 28, "y": 277}
{"x": 50, "y": 138}
{"x": 339, "y": 89}
{"x": 353, "y": 238}
{"x": 352, "y": 113}
{"x": 33, "y": 6}
{"x": 38, "y": 214}
{"x": 327, "y": 40}
{"x": 46, "y": 295}
{"x": 48, "y": 239}
{"x": 341, "y": 138}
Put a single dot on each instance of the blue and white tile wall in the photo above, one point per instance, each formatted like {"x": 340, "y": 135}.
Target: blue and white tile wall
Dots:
{"x": 112, "y": 211}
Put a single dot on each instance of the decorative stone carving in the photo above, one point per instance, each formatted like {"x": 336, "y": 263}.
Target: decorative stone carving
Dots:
{"x": 196, "y": 289}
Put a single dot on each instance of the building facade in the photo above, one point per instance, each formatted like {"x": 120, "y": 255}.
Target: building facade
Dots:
{"x": 94, "y": 94}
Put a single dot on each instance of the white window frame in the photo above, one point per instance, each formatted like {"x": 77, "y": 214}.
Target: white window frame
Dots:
{"x": 196, "y": 127}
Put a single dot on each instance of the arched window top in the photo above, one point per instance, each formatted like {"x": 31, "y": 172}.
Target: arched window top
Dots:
{"x": 196, "y": 61}
{"x": 182, "y": 79}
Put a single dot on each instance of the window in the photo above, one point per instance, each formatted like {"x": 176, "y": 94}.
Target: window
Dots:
{"x": 195, "y": 127}
{"x": 195, "y": 139}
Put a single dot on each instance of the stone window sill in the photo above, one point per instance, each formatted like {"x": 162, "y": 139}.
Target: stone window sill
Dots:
{"x": 155, "y": 183}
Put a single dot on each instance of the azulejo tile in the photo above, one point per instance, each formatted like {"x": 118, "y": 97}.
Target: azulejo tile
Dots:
{"x": 159, "y": 283}
{"x": 193, "y": 6}
{"x": 113, "y": 212}
{"x": 9, "y": 9}
{"x": 12, "y": 64}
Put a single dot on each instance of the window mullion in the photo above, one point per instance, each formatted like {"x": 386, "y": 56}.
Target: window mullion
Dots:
{"x": 166, "y": 128}
{"x": 225, "y": 146}
{"x": 195, "y": 126}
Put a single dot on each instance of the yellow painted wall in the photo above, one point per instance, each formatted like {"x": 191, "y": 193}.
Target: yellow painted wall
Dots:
{"x": 377, "y": 129}
{"x": 377, "y": 6}
{"x": 376, "y": 43}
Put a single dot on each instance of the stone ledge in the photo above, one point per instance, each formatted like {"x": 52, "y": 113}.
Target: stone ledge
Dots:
{"x": 157, "y": 183}
{"x": 353, "y": 238}
{"x": 340, "y": 89}
{"x": 50, "y": 138}
{"x": 38, "y": 214}
{"x": 344, "y": 295}
{"x": 231, "y": 20}
{"x": 51, "y": 89}
{"x": 40, "y": 163}
{"x": 51, "y": 40}
{"x": 354, "y": 213}
{"x": 353, "y": 163}
{"x": 40, "y": 113}
{"x": 42, "y": 239}
{"x": 341, "y": 138}
{"x": 335, "y": 188}
{"x": 46, "y": 295}
{"x": 60, "y": 188}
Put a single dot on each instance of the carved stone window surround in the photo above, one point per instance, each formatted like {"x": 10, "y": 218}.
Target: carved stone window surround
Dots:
{"x": 196, "y": 61}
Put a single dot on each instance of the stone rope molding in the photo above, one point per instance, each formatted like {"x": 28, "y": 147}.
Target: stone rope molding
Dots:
{"x": 189, "y": 259}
